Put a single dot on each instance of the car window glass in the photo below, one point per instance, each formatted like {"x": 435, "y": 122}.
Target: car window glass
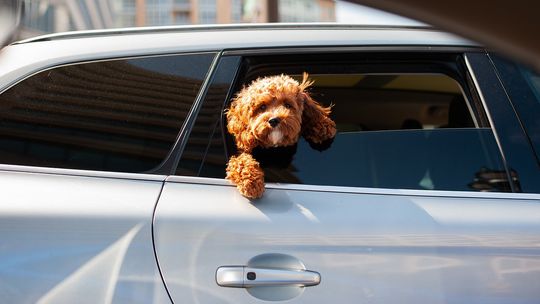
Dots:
{"x": 118, "y": 115}
{"x": 533, "y": 79}
{"x": 523, "y": 87}
{"x": 408, "y": 129}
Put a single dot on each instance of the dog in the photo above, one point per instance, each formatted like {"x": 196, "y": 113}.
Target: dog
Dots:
{"x": 271, "y": 112}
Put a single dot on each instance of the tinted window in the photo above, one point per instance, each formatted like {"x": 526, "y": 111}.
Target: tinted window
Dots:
{"x": 118, "y": 115}
{"x": 523, "y": 87}
{"x": 438, "y": 159}
{"x": 408, "y": 124}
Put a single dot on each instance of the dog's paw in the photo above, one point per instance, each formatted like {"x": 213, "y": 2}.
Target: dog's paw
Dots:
{"x": 246, "y": 173}
{"x": 251, "y": 188}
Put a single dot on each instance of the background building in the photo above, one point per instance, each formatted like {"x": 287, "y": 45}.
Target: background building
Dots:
{"x": 48, "y": 16}
{"x": 289, "y": 11}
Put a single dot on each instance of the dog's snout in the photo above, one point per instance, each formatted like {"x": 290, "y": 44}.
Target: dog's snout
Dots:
{"x": 274, "y": 122}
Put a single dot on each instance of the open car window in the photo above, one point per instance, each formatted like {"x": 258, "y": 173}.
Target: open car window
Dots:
{"x": 403, "y": 121}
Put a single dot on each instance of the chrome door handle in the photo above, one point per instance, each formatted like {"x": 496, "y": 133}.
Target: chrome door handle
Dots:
{"x": 246, "y": 277}
{"x": 269, "y": 277}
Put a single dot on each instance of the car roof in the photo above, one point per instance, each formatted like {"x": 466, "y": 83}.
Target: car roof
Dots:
{"x": 250, "y": 29}
{"x": 25, "y": 57}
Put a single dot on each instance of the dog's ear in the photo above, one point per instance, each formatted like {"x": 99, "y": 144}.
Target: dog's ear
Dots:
{"x": 238, "y": 122}
{"x": 317, "y": 126}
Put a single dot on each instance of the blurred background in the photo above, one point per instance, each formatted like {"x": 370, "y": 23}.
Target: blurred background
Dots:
{"x": 51, "y": 16}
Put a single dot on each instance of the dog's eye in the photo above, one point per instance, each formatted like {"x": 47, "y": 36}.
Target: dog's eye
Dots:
{"x": 262, "y": 108}
{"x": 288, "y": 105}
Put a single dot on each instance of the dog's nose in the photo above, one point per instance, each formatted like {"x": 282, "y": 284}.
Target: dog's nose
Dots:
{"x": 274, "y": 122}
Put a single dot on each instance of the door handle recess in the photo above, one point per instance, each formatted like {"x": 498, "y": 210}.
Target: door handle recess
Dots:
{"x": 246, "y": 277}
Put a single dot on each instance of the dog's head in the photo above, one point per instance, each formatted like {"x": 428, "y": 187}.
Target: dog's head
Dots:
{"x": 274, "y": 111}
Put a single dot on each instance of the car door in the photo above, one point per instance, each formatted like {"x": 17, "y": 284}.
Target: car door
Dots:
{"x": 83, "y": 147}
{"x": 391, "y": 212}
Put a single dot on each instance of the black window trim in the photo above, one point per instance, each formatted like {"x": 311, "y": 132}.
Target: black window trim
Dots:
{"x": 195, "y": 110}
{"x": 169, "y": 164}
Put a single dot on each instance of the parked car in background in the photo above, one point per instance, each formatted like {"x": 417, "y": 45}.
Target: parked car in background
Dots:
{"x": 113, "y": 149}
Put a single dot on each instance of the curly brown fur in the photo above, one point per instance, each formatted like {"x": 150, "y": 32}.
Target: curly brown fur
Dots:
{"x": 272, "y": 112}
{"x": 318, "y": 127}
{"x": 244, "y": 171}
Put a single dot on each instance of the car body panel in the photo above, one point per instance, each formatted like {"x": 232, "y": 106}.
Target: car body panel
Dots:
{"x": 77, "y": 239}
{"x": 370, "y": 245}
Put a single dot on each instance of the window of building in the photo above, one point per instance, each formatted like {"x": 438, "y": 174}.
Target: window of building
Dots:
{"x": 181, "y": 17}
{"x": 207, "y": 11}
{"x": 236, "y": 11}
{"x": 117, "y": 115}
{"x": 181, "y": 12}
{"x": 406, "y": 122}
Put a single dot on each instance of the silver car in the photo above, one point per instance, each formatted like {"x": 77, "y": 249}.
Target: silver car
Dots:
{"x": 113, "y": 148}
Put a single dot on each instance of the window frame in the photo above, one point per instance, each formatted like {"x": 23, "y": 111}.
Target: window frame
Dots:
{"x": 467, "y": 69}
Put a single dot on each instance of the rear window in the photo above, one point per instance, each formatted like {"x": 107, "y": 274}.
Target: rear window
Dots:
{"x": 117, "y": 115}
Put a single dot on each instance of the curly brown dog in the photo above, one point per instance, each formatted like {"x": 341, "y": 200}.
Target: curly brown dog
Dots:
{"x": 272, "y": 112}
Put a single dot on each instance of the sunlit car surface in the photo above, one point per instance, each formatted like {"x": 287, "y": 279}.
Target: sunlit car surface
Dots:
{"x": 113, "y": 150}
